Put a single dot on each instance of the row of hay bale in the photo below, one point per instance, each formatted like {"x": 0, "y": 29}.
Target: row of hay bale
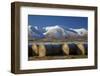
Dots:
{"x": 64, "y": 49}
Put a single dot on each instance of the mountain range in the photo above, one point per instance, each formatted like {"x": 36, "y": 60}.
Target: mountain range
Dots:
{"x": 55, "y": 31}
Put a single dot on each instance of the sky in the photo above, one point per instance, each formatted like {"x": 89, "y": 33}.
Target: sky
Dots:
{"x": 64, "y": 21}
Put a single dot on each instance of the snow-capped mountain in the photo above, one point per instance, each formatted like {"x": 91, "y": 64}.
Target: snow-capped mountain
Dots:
{"x": 33, "y": 32}
{"x": 59, "y": 32}
{"x": 80, "y": 31}
{"x": 55, "y": 31}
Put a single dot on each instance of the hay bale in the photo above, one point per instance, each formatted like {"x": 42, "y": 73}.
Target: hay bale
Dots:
{"x": 86, "y": 48}
{"x": 49, "y": 50}
{"x": 73, "y": 49}
{"x": 54, "y": 50}
{"x": 65, "y": 48}
{"x": 35, "y": 48}
{"x": 31, "y": 52}
{"x": 42, "y": 50}
{"x": 81, "y": 47}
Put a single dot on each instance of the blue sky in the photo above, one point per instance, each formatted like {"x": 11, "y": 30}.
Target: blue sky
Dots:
{"x": 64, "y": 21}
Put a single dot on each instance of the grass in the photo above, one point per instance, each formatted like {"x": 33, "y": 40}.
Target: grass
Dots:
{"x": 58, "y": 57}
{"x": 59, "y": 40}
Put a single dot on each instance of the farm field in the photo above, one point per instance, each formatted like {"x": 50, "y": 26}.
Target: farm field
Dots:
{"x": 53, "y": 50}
{"x": 58, "y": 57}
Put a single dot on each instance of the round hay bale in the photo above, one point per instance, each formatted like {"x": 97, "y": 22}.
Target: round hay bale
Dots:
{"x": 31, "y": 52}
{"x": 82, "y": 49}
{"x": 35, "y": 48}
{"x": 49, "y": 50}
{"x": 42, "y": 50}
{"x": 86, "y": 48}
{"x": 73, "y": 49}
{"x": 54, "y": 50}
{"x": 65, "y": 48}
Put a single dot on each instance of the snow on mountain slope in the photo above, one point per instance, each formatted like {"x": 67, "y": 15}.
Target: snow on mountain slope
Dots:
{"x": 80, "y": 31}
{"x": 55, "y": 31}
{"x": 33, "y": 32}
